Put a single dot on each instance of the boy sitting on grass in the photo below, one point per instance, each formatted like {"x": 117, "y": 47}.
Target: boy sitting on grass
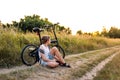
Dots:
{"x": 50, "y": 57}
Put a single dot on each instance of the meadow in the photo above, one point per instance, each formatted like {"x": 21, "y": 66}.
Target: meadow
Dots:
{"x": 13, "y": 40}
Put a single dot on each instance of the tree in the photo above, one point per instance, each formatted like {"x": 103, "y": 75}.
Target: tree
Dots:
{"x": 15, "y": 24}
{"x": 62, "y": 29}
{"x": 114, "y": 32}
{"x": 29, "y": 22}
{"x": 104, "y": 32}
{"x": 97, "y": 33}
{"x": 68, "y": 31}
{"x": 79, "y": 32}
{"x": 0, "y": 23}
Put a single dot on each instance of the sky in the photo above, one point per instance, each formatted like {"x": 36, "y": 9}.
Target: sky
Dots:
{"x": 85, "y": 15}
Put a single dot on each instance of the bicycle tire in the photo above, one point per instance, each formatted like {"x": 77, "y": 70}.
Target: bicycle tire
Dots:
{"x": 61, "y": 51}
{"x": 28, "y": 55}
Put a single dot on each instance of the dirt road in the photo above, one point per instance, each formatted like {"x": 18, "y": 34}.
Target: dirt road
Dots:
{"x": 84, "y": 65}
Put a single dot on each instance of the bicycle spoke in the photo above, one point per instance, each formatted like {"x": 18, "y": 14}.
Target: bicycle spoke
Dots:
{"x": 28, "y": 55}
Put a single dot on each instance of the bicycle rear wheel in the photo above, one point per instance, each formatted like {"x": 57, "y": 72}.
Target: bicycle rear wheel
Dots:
{"x": 28, "y": 55}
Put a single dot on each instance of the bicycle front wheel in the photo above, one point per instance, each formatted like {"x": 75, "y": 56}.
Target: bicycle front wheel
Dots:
{"x": 61, "y": 51}
{"x": 28, "y": 55}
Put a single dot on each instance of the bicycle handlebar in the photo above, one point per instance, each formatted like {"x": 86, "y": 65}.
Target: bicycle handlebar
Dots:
{"x": 48, "y": 26}
{"x": 37, "y": 29}
{"x": 56, "y": 24}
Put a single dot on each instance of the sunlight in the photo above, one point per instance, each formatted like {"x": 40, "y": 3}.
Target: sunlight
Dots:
{"x": 87, "y": 15}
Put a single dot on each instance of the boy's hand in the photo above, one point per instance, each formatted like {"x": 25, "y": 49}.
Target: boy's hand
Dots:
{"x": 53, "y": 60}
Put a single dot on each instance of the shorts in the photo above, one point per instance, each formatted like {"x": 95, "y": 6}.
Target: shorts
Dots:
{"x": 50, "y": 56}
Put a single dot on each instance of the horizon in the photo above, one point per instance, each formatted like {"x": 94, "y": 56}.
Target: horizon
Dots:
{"x": 62, "y": 25}
{"x": 87, "y": 15}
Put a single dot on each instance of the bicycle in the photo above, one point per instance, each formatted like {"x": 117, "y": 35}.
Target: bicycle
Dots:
{"x": 30, "y": 54}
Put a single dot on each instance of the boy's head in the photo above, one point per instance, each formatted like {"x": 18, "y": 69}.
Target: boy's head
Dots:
{"x": 45, "y": 39}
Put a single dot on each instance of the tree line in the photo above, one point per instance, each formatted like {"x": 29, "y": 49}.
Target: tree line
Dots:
{"x": 114, "y": 32}
{"x": 29, "y": 22}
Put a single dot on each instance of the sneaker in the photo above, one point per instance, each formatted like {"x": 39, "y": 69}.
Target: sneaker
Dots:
{"x": 58, "y": 62}
{"x": 66, "y": 65}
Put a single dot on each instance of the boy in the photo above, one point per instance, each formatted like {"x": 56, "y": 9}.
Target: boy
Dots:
{"x": 50, "y": 57}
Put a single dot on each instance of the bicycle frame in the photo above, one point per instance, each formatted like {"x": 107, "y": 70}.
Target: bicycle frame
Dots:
{"x": 40, "y": 38}
{"x": 55, "y": 36}
{"x": 38, "y": 31}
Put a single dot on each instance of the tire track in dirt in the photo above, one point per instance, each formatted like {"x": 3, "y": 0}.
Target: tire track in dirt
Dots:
{"x": 8, "y": 70}
{"x": 59, "y": 73}
{"x": 90, "y": 75}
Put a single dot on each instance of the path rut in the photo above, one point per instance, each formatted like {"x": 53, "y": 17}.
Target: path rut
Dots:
{"x": 42, "y": 73}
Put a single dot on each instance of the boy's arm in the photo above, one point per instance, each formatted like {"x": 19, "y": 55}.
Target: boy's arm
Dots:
{"x": 42, "y": 54}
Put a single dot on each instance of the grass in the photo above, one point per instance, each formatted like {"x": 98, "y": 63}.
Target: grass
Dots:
{"x": 92, "y": 60}
{"x": 17, "y": 75}
{"x": 12, "y": 42}
{"x": 111, "y": 71}
{"x": 76, "y": 44}
{"x": 88, "y": 63}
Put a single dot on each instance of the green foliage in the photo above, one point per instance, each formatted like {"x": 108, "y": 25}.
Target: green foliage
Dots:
{"x": 79, "y": 32}
{"x": 114, "y": 32}
{"x": 11, "y": 43}
{"x": 29, "y": 22}
{"x": 104, "y": 32}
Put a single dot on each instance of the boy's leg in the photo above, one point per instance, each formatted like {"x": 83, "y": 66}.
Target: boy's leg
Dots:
{"x": 54, "y": 51}
{"x": 49, "y": 64}
{"x": 52, "y": 64}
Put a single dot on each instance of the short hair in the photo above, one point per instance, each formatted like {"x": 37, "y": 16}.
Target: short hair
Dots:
{"x": 45, "y": 39}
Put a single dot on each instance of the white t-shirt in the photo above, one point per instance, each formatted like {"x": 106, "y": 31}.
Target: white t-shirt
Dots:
{"x": 46, "y": 50}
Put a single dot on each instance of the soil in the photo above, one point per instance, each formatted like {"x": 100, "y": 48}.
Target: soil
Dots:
{"x": 63, "y": 73}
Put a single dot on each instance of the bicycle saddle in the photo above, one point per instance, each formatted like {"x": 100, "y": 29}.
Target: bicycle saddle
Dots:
{"x": 37, "y": 29}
